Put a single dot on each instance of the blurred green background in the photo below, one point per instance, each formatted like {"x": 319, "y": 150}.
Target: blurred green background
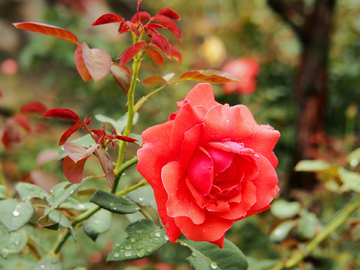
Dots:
{"x": 213, "y": 33}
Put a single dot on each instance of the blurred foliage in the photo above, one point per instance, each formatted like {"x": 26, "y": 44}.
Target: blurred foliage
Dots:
{"x": 213, "y": 32}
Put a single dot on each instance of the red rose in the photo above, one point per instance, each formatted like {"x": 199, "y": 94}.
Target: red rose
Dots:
{"x": 209, "y": 165}
{"x": 245, "y": 70}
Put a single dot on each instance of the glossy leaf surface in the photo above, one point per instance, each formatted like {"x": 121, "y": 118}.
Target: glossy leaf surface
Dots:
{"x": 114, "y": 203}
{"x": 28, "y": 191}
{"x": 98, "y": 223}
{"x": 15, "y": 214}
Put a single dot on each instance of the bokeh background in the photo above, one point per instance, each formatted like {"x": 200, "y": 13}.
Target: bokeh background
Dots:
{"x": 307, "y": 58}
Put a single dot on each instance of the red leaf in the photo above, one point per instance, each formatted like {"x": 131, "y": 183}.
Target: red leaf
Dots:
{"x": 138, "y": 5}
{"x": 140, "y": 17}
{"x": 211, "y": 76}
{"x": 152, "y": 80}
{"x": 107, "y": 18}
{"x": 22, "y": 121}
{"x": 125, "y": 139}
{"x": 121, "y": 76}
{"x": 155, "y": 25}
{"x": 80, "y": 65}
{"x": 175, "y": 54}
{"x": 73, "y": 171}
{"x": 150, "y": 31}
{"x": 34, "y": 106}
{"x": 124, "y": 27}
{"x": 169, "y": 13}
{"x": 97, "y": 61}
{"x": 47, "y": 29}
{"x": 162, "y": 44}
{"x": 135, "y": 30}
{"x": 69, "y": 132}
{"x": 168, "y": 24}
{"x": 46, "y": 156}
{"x": 106, "y": 165}
{"x": 77, "y": 152}
{"x": 154, "y": 55}
{"x": 131, "y": 52}
{"x": 6, "y": 140}
{"x": 62, "y": 113}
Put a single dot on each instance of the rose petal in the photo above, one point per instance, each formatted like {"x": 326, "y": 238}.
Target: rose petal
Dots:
{"x": 202, "y": 94}
{"x": 190, "y": 143}
{"x": 221, "y": 160}
{"x": 228, "y": 175}
{"x": 224, "y": 122}
{"x": 180, "y": 200}
{"x": 200, "y": 171}
{"x": 201, "y": 201}
{"x": 248, "y": 166}
{"x": 266, "y": 184}
{"x": 153, "y": 156}
{"x": 212, "y": 229}
{"x": 185, "y": 119}
{"x": 237, "y": 210}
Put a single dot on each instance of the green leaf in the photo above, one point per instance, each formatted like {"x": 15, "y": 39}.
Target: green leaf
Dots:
{"x": 354, "y": 157}
{"x": 206, "y": 256}
{"x": 143, "y": 196}
{"x": 85, "y": 141}
{"x": 99, "y": 223}
{"x": 136, "y": 137}
{"x": 69, "y": 203}
{"x": 106, "y": 119}
{"x": 280, "y": 232}
{"x": 60, "y": 193}
{"x": 63, "y": 221}
{"x": 38, "y": 237}
{"x": 351, "y": 180}
{"x": 312, "y": 166}
{"x": 50, "y": 263}
{"x": 121, "y": 122}
{"x": 144, "y": 238}
{"x": 114, "y": 203}
{"x": 28, "y": 191}
{"x": 307, "y": 224}
{"x": 11, "y": 243}
{"x": 283, "y": 209}
{"x": 15, "y": 214}
{"x": 2, "y": 192}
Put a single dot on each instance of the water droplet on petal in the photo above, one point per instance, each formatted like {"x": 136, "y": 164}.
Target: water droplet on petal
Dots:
{"x": 213, "y": 265}
{"x": 15, "y": 213}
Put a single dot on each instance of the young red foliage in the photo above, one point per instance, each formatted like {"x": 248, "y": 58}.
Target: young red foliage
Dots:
{"x": 69, "y": 132}
{"x": 154, "y": 55}
{"x": 97, "y": 61}
{"x": 169, "y": 13}
{"x": 62, "y": 113}
{"x": 130, "y": 52}
{"x": 168, "y": 24}
{"x": 175, "y": 54}
{"x": 153, "y": 80}
{"x": 73, "y": 171}
{"x": 47, "y": 29}
{"x": 212, "y": 76}
{"x": 160, "y": 42}
{"x": 121, "y": 76}
{"x": 33, "y": 106}
{"x": 140, "y": 17}
{"x": 125, "y": 138}
{"x": 107, "y": 18}
{"x": 80, "y": 65}
{"x": 77, "y": 152}
{"x": 106, "y": 164}
{"x": 22, "y": 121}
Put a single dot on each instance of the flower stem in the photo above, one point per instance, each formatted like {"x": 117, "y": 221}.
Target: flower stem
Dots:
{"x": 339, "y": 220}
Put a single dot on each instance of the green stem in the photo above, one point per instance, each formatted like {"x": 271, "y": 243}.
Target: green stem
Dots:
{"x": 80, "y": 218}
{"x": 339, "y": 220}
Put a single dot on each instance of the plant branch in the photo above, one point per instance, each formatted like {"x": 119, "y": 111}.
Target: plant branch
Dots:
{"x": 339, "y": 220}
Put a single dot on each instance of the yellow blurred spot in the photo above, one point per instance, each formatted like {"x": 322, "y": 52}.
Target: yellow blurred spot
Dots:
{"x": 214, "y": 50}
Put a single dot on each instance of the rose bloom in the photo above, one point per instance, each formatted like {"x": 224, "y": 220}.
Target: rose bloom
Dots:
{"x": 209, "y": 165}
{"x": 9, "y": 67}
{"x": 245, "y": 70}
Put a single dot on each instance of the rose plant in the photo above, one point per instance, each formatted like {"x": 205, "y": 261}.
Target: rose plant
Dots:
{"x": 209, "y": 165}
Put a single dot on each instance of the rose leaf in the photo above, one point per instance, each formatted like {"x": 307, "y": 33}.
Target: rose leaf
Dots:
{"x": 15, "y": 214}
{"x": 144, "y": 238}
{"x": 98, "y": 223}
{"x": 11, "y": 243}
{"x": 28, "y": 191}
{"x": 114, "y": 203}
{"x": 206, "y": 256}
{"x": 50, "y": 263}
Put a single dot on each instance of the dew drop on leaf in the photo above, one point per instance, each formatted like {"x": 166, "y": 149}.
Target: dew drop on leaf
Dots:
{"x": 129, "y": 247}
{"x": 166, "y": 238}
{"x": 213, "y": 265}
{"x": 149, "y": 249}
{"x": 157, "y": 234}
{"x": 140, "y": 253}
{"x": 128, "y": 253}
{"x": 15, "y": 213}
{"x": 116, "y": 255}
{"x": 132, "y": 240}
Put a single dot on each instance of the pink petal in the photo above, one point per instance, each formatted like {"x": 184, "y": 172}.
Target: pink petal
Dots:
{"x": 202, "y": 94}
{"x": 266, "y": 184}
{"x": 200, "y": 171}
{"x": 180, "y": 200}
{"x": 211, "y": 230}
{"x": 221, "y": 160}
